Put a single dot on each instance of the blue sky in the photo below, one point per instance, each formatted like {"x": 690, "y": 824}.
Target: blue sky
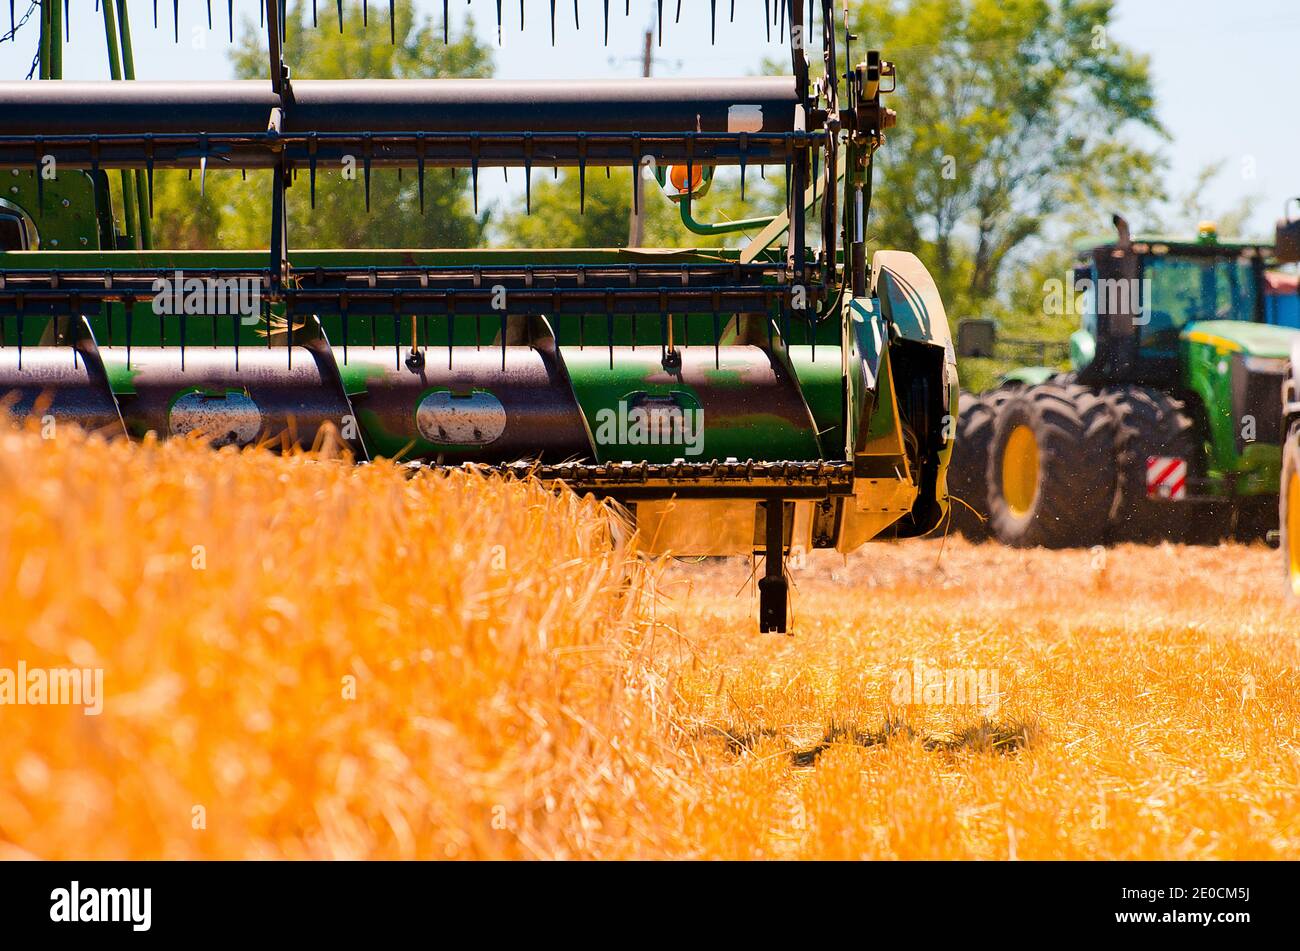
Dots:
{"x": 1225, "y": 74}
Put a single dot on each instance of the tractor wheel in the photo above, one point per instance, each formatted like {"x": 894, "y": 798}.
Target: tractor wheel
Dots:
{"x": 1289, "y": 509}
{"x": 968, "y": 470}
{"x": 1051, "y": 468}
{"x": 1149, "y": 425}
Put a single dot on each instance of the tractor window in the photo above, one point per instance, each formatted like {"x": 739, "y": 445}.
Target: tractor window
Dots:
{"x": 1179, "y": 291}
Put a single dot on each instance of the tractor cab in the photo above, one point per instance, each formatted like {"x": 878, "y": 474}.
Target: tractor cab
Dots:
{"x": 1144, "y": 298}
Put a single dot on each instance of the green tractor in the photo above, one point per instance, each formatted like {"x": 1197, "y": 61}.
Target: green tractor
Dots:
{"x": 1167, "y": 425}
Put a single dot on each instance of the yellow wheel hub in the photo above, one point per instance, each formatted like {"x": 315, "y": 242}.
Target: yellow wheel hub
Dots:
{"x": 1293, "y": 530}
{"x": 1020, "y": 471}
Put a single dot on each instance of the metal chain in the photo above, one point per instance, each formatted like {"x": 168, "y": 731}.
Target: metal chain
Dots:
{"x": 10, "y": 33}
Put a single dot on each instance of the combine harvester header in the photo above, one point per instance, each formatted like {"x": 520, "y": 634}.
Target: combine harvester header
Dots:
{"x": 796, "y": 397}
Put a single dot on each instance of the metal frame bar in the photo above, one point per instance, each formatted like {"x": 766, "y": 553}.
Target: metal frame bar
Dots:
{"x": 251, "y": 150}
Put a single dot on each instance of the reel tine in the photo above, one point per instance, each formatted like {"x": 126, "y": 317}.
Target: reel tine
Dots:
{"x": 498, "y": 22}
{"x": 528, "y": 173}
{"x": 209, "y": 4}
{"x": 230, "y": 18}
{"x": 155, "y": 14}
{"x": 397, "y": 336}
{"x": 339, "y": 4}
{"x": 713, "y": 22}
{"x": 582, "y": 184}
{"x": 451, "y": 329}
{"x": 521, "y": 15}
{"x": 149, "y": 166}
{"x": 767, "y": 18}
{"x": 552, "y": 22}
{"x": 176, "y": 35}
{"x": 365, "y": 14}
{"x": 660, "y": 5}
{"x": 315, "y": 21}
{"x": 419, "y": 169}
{"x": 40, "y": 179}
{"x": 311, "y": 172}
{"x": 744, "y": 161}
{"x": 366, "y": 172}
{"x": 576, "y": 24}
{"x": 636, "y": 169}
{"x": 446, "y": 25}
{"x": 67, "y": 22}
{"x": 607, "y": 22}
{"x": 690, "y": 162}
{"x": 181, "y": 321}
{"x": 392, "y": 24}
{"x": 717, "y": 341}
{"x": 343, "y": 314}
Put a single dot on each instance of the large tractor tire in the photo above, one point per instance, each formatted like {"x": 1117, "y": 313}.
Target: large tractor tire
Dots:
{"x": 1151, "y": 425}
{"x": 1051, "y": 467}
{"x": 1289, "y": 510}
{"x": 968, "y": 470}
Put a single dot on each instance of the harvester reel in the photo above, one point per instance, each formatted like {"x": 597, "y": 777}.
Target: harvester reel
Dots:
{"x": 735, "y": 402}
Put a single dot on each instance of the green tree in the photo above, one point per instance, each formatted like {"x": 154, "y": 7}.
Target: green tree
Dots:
{"x": 234, "y": 211}
{"x": 1019, "y": 120}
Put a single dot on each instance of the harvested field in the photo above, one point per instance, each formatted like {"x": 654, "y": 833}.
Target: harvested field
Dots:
{"x": 301, "y": 658}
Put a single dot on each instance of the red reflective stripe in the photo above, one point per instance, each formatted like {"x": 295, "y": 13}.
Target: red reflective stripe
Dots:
{"x": 1165, "y": 473}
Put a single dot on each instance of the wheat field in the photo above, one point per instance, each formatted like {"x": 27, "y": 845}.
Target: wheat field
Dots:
{"x": 302, "y": 658}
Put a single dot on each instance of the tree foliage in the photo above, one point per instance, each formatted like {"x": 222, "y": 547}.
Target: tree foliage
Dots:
{"x": 1017, "y": 120}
